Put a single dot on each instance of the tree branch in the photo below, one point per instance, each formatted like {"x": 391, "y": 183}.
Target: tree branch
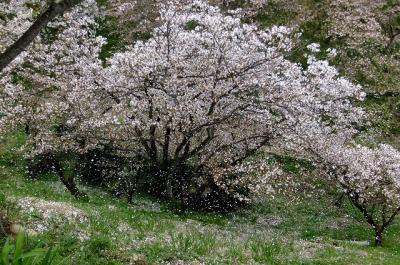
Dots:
{"x": 55, "y": 8}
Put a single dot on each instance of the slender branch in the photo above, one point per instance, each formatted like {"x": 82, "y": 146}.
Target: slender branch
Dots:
{"x": 202, "y": 145}
{"x": 250, "y": 152}
{"x": 354, "y": 199}
{"x": 391, "y": 217}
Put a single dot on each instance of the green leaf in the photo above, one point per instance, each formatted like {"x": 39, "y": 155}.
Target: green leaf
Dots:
{"x": 5, "y": 253}
{"x": 38, "y": 252}
{"x": 48, "y": 258}
{"x": 19, "y": 244}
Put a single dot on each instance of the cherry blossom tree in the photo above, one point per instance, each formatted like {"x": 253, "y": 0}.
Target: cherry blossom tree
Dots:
{"x": 370, "y": 179}
{"x": 29, "y": 95}
{"x": 206, "y": 91}
{"x": 367, "y": 176}
{"x": 194, "y": 106}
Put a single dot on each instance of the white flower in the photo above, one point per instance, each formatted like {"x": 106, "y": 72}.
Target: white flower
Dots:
{"x": 314, "y": 47}
{"x": 332, "y": 52}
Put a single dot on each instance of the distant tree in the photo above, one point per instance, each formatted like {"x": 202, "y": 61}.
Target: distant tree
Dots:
{"x": 368, "y": 176}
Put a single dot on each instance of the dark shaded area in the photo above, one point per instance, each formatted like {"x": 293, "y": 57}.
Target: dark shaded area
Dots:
{"x": 189, "y": 188}
{"x": 53, "y": 163}
{"x": 98, "y": 167}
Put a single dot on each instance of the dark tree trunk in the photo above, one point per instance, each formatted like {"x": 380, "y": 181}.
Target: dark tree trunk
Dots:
{"x": 354, "y": 198}
{"x": 168, "y": 170}
{"x": 54, "y": 9}
{"x": 130, "y": 197}
{"x": 168, "y": 185}
{"x": 69, "y": 182}
{"x": 132, "y": 186}
{"x": 27, "y": 128}
{"x": 378, "y": 236}
{"x": 184, "y": 192}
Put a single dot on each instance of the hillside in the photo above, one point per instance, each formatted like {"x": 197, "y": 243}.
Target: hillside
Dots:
{"x": 258, "y": 132}
{"x": 106, "y": 230}
{"x": 103, "y": 229}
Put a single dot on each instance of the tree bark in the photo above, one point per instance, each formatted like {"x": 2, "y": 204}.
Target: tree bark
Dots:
{"x": 184, "y": 191}
{"x": 68, "y": 182}
{"x": 353, "y": 196}
{"x": 378, "y": 236}
{"x": 55, "y": 8}
{"x": 132, "y": 187}
{"x": 168, "y": 185}
{"x": 130, "y": 197}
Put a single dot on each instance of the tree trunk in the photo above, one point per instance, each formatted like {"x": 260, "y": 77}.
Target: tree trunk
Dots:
{"x": 68, "y": 182}
{"x": 132, "y": 186}
{"x": 130, "y": 197}
{"x": 183, "y": 192}
{"x": 55, "y": 8}
{"x": 168, "y": 169}
{"x": 71, "y": 186}
{"x": 378, "y": 236}
{"x": 168, "y": 187}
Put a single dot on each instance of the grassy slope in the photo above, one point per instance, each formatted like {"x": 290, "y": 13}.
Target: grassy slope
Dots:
{"x": 273, "y": 232}
{"x": 276, "y": 231}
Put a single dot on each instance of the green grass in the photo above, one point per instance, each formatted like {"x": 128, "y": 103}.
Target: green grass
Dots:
{"x": 310, "y": 232}
{"x": 273, "y": 231}
{"x": 17, "y": 254}
{"x": 273, "y": 13}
